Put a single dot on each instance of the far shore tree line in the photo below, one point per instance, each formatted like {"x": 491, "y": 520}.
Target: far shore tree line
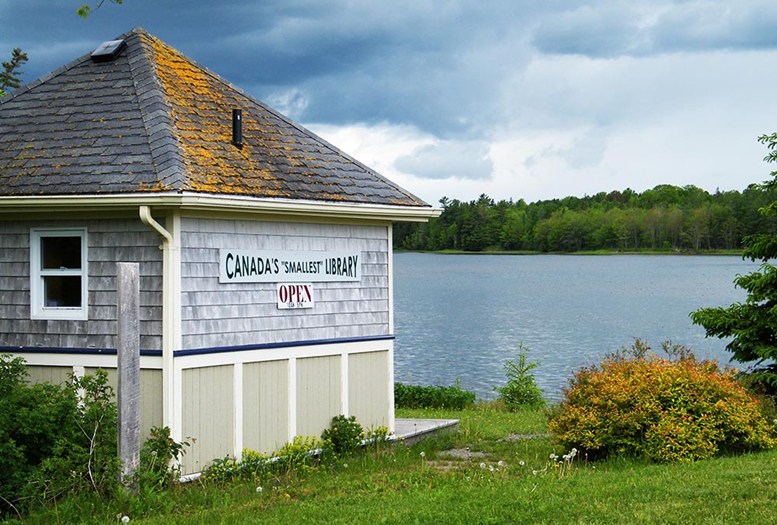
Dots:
{"x": 665, "y": 218}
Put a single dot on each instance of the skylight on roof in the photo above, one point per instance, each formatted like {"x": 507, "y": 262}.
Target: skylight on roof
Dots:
{"x": 108, "y": 51}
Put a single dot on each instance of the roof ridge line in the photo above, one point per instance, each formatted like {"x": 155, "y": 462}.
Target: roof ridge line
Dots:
{"x": 164, "y": 143}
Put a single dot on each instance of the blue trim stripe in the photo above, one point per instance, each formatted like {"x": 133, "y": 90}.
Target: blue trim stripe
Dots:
{"x": 193, "y": 351}
{"x": 268, "y": 346}
{"x": 78, "y": 351}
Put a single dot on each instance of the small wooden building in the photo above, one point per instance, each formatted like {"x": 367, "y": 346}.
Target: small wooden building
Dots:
{"x": 265, "y": 252}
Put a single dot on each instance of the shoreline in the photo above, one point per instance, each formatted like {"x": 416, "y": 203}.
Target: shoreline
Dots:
{"x": 729, "y": 253}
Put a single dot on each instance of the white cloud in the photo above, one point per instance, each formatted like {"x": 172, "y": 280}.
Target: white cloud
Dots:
{"x": 448, "y": 159}
{"x": 290, "y": 102}
{"x": 377, "y": 146}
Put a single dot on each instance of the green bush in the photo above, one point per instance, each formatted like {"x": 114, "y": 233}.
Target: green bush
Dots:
{"x": 32, "y": 419}
{"x": 451, "y": 397}
{"x": 638, "y": 403}
{"x": 343, "y": 436}
{"x": 159, "y": 457}
{"x": 521, "y": 390}
{"x": 54, "y": 439}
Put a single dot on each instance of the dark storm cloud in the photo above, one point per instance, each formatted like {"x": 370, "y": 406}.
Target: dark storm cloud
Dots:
{"x": 745, "y": 26}
{"x": 611, "y": 29}
{"x": 430, "y": 64}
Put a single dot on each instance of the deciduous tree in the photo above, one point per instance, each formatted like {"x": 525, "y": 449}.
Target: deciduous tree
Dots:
{"x": 85, "y": 10}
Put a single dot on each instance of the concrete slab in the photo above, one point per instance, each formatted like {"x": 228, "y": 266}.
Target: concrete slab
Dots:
{"x": 410, "y": 431}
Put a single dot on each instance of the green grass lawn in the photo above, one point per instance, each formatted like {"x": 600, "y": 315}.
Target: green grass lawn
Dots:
{"x": 496, "y": 469}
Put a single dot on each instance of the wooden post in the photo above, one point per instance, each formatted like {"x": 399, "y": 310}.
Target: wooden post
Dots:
{"x": 128, "y": 314}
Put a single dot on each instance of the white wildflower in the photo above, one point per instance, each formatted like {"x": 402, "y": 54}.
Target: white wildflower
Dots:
{"x": 259, "y": 489}
{"x": 502, "y": 464}
{"x": 521, "y": 463}
{"x": 422, "y": 454}
{"x": 482, "y": 465}
{"x": 125, "y": 519}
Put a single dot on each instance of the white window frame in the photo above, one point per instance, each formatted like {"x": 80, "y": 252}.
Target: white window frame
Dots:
{"x": 38, "y": 310}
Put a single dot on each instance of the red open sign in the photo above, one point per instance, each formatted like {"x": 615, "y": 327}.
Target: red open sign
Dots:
{"x": 295, "y": 295}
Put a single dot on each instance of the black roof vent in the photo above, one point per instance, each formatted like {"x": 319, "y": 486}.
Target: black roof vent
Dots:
{"x": 237, "y": 127}
{"x": 108, "y": 51}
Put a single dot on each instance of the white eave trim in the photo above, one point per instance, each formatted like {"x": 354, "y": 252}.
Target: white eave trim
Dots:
{"x": 216, "y": 203}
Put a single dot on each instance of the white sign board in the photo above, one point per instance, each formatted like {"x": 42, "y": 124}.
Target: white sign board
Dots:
{"x": 293, "y": 296}
{"x": 260, "y": 266}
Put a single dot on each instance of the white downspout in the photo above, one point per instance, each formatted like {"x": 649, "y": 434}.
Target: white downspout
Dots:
{"x": 148, "y": 220}
{"x": 171, "y": 317}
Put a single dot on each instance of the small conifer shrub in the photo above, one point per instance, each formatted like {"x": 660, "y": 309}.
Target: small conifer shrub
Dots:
{"x": 521, "y": 390}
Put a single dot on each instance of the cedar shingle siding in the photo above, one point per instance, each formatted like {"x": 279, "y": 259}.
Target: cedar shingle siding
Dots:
{"x": 109, "y": 241}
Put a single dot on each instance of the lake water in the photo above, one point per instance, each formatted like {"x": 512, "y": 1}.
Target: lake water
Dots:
{"x": 461, "y": 316}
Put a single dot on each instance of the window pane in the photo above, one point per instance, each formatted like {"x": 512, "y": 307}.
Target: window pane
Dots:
{"x": 63, "y": 291}
{"x": 60, "y": 252}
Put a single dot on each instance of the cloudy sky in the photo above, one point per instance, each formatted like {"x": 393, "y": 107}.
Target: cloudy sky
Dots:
{"x": 512, "y": 98}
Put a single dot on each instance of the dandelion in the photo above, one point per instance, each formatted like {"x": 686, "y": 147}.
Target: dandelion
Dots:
{"x": 259, "y": 489}
{"x": 502, "y": 464}
{"x": 521, "y": 463}
{"x": 422, "y": 454}
{"x": 482, "y": 465}
{"x": 553, "y": 457}
{"x": 125, "y": 519}
{"x": 491, "y": 468}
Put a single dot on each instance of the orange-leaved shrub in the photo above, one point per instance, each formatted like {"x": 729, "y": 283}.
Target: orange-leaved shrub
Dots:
{"x": 674, "y": 408}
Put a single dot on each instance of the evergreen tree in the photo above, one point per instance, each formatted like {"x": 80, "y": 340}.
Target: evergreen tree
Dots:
{"x": 753, "y": 324}
{"x": 10, "y": 76}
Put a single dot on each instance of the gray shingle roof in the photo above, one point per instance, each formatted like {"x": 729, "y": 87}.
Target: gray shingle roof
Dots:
{"x": 154, "y": 121}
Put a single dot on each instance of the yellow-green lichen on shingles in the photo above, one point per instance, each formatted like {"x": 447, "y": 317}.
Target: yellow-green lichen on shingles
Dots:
{"x": 277, "y": 159}
{"x": 201, "y": 114}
